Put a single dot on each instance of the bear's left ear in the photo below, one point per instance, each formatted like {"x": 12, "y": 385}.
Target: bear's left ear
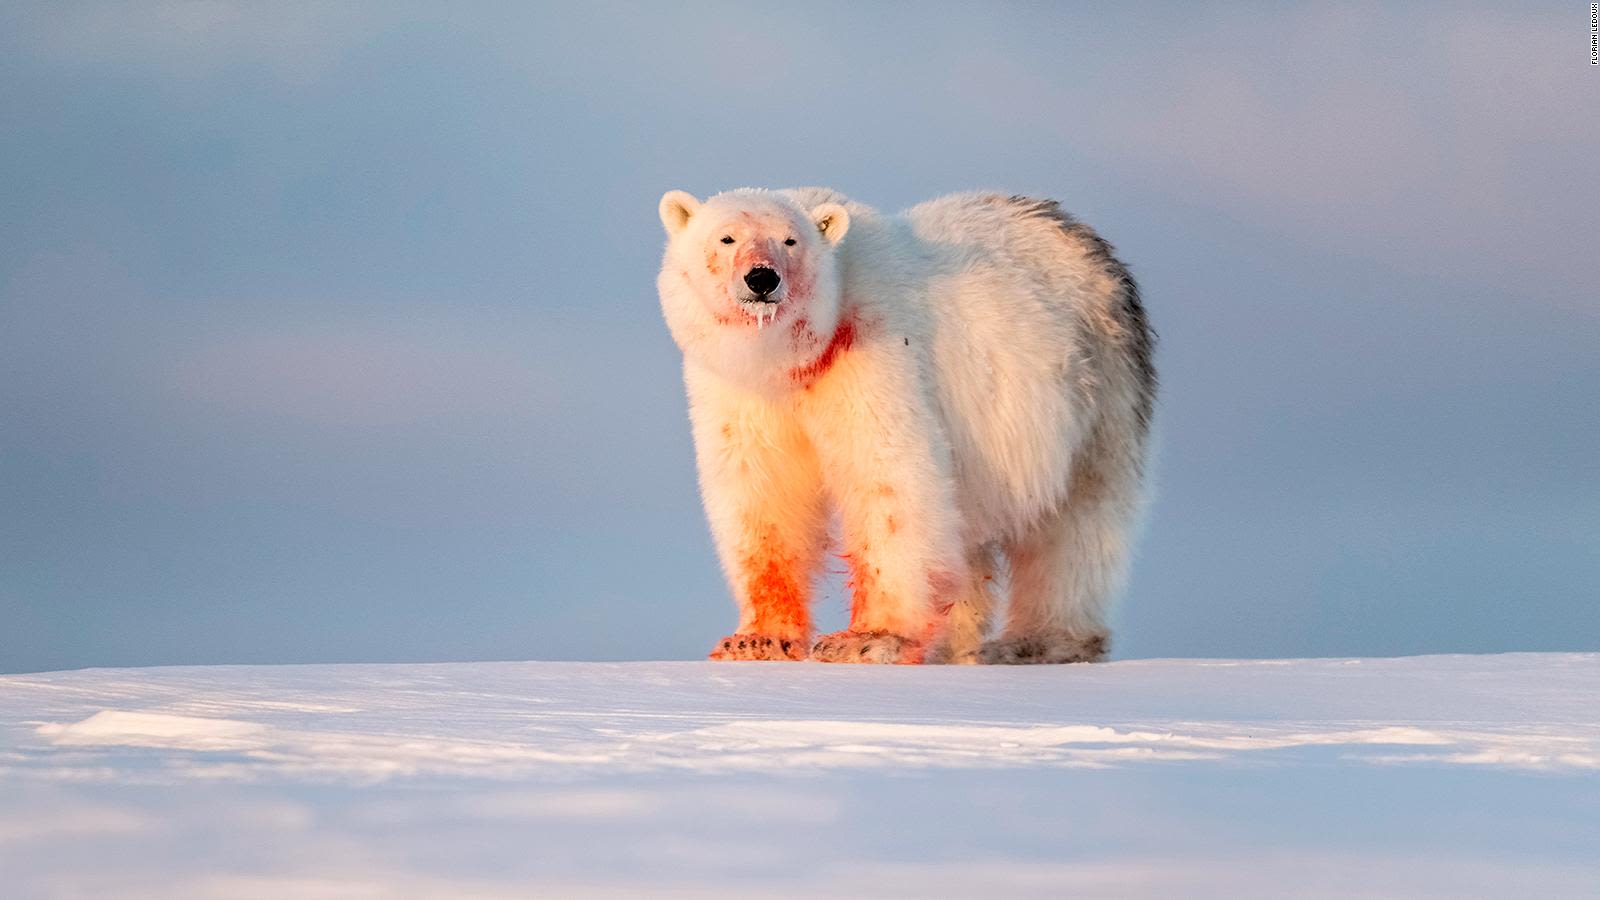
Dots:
{"x": 676, "y": 208}
{"x": 832, "y": 220}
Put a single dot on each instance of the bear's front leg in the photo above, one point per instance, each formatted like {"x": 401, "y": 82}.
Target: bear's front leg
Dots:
{"x": 773, "y": 588}
{"x": 887, "y": 464}
{"x": 762, "y": 490}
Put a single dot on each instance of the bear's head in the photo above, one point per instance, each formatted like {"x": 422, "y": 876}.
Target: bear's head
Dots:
{"x": 750, "y": 283}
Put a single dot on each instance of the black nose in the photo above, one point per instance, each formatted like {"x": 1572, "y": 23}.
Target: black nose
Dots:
{"x": 762, "y": 280}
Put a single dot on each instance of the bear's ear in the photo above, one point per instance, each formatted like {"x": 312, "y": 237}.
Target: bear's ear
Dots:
{"x": 832, "y": 220}
{"x": 676, "y": 208}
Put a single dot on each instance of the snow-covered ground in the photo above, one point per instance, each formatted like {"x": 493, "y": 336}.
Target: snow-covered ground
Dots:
{"x": 1446, "y": 776}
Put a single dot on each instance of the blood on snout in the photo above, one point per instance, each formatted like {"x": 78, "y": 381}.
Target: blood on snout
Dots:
{"x": 756, "y": 253}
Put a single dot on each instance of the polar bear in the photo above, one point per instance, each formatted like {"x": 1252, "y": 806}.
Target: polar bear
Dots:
{"x": 964, "y": 384}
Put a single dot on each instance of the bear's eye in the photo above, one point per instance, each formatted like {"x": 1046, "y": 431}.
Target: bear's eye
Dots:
{"x": 727, "y": 239}
{"x": 789, "y": 242}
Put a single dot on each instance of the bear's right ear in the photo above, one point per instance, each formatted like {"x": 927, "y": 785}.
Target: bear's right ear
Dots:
{"x": 676, "y": 208}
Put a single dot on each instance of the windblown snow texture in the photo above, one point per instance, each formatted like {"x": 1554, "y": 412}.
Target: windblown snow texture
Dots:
{"x": 1429, "y": 776}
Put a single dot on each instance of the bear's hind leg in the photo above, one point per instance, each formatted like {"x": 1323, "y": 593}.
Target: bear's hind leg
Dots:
{"x": 1064, "y": 574}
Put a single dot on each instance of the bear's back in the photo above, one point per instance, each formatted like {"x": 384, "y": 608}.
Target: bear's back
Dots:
{"x": 1006, "y": 226}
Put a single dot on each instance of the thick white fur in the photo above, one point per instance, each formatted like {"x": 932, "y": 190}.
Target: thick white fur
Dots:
{"x": 962, "y": 384}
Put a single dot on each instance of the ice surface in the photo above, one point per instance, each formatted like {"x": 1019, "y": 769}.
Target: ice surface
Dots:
{"x": 1428, "y": 776}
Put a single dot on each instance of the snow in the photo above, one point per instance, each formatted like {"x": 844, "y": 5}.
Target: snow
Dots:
{"x": 1443, "y": 776}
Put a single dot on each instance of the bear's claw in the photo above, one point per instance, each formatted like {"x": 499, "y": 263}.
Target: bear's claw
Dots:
{"x": 758, "y": 647}
{"x": 866, "y": 647}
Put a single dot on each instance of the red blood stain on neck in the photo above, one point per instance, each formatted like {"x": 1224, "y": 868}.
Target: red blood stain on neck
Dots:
{"x": 802, "y": 340}
{"x": 843, "y": 338}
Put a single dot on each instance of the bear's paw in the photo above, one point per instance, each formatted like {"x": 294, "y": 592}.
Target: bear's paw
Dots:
{"x": 758, "y": 647}
{"x": 1046, "y": 648}
{"x": 866, "y": 647}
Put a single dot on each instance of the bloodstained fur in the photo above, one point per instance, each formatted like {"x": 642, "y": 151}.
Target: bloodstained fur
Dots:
{"x": 843, "y": 338}
{"x": 779, "y": 591}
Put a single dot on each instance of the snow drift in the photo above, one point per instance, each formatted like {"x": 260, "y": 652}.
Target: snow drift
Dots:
{"x": 1428, "y": 776}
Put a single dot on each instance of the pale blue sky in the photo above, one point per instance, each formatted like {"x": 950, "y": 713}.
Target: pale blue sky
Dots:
{"x": 328, "y": 332}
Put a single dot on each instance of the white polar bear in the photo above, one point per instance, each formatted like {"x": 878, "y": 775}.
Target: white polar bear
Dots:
{"x": 966, "y": 381}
